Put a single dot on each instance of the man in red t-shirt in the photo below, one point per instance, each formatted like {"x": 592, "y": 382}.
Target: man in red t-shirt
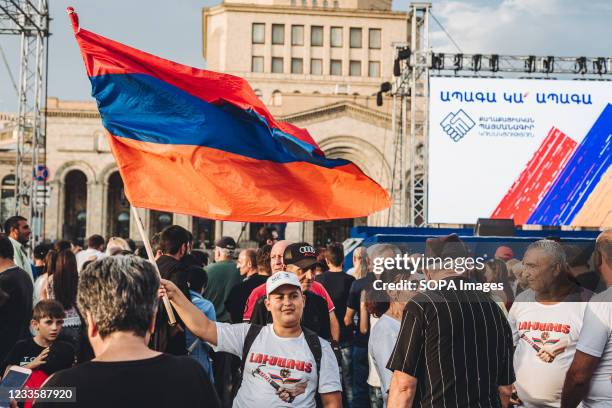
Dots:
{"x": 276, "y": 260}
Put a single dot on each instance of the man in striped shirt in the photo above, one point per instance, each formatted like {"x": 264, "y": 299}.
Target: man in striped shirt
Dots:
{"x": 454, "y": 348}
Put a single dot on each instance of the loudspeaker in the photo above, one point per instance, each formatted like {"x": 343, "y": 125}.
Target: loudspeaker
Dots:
{"x": 487, "y": 227}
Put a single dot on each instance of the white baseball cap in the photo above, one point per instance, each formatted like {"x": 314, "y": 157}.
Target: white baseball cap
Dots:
{"x": 279, "y": 279}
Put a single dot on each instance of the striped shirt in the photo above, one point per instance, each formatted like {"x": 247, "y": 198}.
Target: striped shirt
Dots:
{"x": 458, "y": 345}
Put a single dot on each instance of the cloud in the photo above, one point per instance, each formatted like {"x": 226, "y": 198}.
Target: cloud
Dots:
{"x": 522, "y": 27}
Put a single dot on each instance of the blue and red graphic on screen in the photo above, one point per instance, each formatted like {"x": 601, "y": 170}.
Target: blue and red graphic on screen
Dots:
{"x": 565, "y": 183}
{"x": 202, "y": 143}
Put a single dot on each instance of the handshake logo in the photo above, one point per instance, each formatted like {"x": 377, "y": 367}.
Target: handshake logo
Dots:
{"x": 456, "y": 125}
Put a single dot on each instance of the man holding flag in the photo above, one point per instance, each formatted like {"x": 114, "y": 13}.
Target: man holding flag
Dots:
{"x": 281, "y": 354}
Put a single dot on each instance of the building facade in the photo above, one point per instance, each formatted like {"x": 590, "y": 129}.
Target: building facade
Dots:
{"x": 316, "y": 64}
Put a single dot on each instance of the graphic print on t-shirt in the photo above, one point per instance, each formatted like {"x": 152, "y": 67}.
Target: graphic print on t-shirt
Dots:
{"x": 285, "y": 375}
{"x": 548, "y": 340}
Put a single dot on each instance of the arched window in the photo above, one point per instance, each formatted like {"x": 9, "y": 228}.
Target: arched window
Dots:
{"x": 159, "y": 221}
{"x": 7, "y": 201}
{"x": 258, "y": 93}
{"x": 326, "y": 232}
{"x": 75, "y": 205}
{"x": 118, "y": 208}
{"x": 203, "y": 232}
{"x": 277, "y": 98}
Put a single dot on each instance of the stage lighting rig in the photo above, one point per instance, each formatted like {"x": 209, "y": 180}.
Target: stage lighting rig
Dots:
{"x": 384, "y": 88}
{"x": 458, "y": 62}
{"x": 494, "y": 63}
{"x": 530, "y": 65}
{"x": 548, "y": 64}
{"x": 476, "y": 62}
{"x": 580, "y": 67}
{"x": 599, "y": 66}
{"x": 437, "y": 61}
{"x": 402, "y": 54}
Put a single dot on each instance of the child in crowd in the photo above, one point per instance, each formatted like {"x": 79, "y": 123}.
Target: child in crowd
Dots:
{"x": 42, "y": 352}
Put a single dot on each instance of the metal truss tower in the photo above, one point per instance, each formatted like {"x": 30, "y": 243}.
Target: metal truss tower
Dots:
{"x": 410, "y": 94}
{"x": 29, "y": 19}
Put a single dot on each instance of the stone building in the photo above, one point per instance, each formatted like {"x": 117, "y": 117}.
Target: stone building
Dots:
{"x": 315, "y": 63}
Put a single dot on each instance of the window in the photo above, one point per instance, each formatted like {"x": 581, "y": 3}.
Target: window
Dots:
{"x": 75, "y": 210}
{"x": 277, "y": 98}
{"x": 374, "y": 41}
{"x": 355, "y": 37}
{"x": 278, "y": 33}
{"x": 277, "y": 65}
{"x": 203, "y": 232}
{"x": 374, "y": 69}
{"x": 316, "y": 36}
{"x": 316, "y": 66}
{"x": 258, "y": 34}
{"x": 118, "y": 208}
{"x": 297, "y": 66}
{"x": 159, "y": 220}
{"x": 355, "y": 68}
{"x": 257, "y": 64}
{"x": 297, "y": 35}
{"x": 335, "y": 67}
{"x": 336, "y": 37}
{"x": 258, "y": 93}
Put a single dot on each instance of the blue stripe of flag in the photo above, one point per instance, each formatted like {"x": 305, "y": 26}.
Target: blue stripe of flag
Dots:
{"x": 145, "y": 108}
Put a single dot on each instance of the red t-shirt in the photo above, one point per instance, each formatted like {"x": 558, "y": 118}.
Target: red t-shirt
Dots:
{"x": 260, "y": 291}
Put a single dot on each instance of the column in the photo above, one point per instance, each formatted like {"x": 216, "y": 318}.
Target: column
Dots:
{"x": 95, "y": 203}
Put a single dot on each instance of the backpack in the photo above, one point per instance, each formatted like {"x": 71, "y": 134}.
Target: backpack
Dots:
{"x": 314, "y": 344}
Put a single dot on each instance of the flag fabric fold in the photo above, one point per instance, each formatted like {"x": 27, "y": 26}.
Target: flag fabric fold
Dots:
{"x": 202, "y": 143}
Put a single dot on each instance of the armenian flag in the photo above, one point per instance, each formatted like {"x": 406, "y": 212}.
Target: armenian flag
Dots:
{"x": 202, "y": 143}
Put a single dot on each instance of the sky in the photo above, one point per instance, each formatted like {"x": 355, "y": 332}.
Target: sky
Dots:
{"x": 172, "y": 30}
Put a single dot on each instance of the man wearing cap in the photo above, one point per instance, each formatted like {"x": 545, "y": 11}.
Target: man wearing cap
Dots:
{"x": 222, "y": 276}
{"x": 282, "y": 366}
{"x": 301, "y": 259}
{"x": 278, "y": 264}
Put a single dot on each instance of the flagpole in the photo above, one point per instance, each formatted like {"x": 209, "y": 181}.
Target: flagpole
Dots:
{"x": 147, "y": 244}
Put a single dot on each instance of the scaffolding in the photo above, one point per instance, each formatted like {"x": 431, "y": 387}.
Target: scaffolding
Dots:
{"x": 410, "y": 121}
{"x": 30, "y": 21}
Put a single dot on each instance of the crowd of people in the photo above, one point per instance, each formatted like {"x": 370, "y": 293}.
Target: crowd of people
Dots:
{"x": 287, "y": 325}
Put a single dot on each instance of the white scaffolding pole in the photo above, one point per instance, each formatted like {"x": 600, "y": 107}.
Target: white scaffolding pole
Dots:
{"x": 31, "y": 23}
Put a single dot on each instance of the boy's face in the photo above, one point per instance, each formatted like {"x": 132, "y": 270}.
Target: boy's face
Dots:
{"x": 48, "y": 327}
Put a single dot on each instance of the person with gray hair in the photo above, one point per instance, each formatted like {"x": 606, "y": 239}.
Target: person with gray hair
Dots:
{"x": 118, "y": 297}
{"x": 546, "y": 320}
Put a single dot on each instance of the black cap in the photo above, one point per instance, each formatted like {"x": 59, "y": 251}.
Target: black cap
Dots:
{"x": 226, "y": 243}
{"x": 302, "y": 254}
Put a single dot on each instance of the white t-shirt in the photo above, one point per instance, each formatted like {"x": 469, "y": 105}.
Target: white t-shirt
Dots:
{"x": 380, "y": 346}
{"x": 554, "y": 328}
{"x": 596, "y": 340}
{"x": 373, "y": 378}
{"x": 85, "y": 255}
{"x": 284, "y": 361}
